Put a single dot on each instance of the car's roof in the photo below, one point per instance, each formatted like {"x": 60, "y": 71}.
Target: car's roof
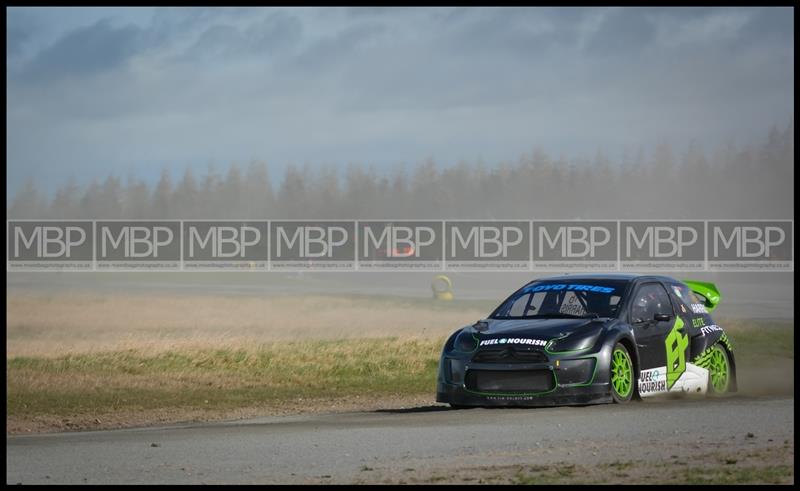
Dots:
{"x": 604, "y": 276}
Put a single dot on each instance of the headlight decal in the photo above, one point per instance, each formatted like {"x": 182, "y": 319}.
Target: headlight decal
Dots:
{"x": 466, "y": 342}
{"x": 572, "y": 343}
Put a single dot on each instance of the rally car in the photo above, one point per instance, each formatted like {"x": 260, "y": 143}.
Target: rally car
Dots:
{"x": 590, "y": 339}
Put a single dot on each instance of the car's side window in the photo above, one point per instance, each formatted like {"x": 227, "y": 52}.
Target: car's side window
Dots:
{"x": 650, "y": 299}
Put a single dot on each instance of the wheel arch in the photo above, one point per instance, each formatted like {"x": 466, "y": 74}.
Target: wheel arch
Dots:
{"x": 734, "y": 386}
{"x": 700, "y": 344}
{"x": 634, "y": 354}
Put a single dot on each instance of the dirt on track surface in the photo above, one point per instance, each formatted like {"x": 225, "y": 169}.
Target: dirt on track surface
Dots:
{"x": 727, "y": 440}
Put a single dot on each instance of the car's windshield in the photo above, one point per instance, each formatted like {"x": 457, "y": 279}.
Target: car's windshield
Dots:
{"x": 581, "y": 298}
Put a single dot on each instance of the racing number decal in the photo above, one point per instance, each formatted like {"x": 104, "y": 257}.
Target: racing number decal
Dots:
{"x": 676, "y": 342}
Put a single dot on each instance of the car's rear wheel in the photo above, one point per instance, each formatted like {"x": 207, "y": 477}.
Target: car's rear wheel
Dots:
{"x": 719, "y": 369}
{"x": 621, "y": 374}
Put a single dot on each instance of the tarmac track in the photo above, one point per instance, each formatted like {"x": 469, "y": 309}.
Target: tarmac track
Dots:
{"x": 385, "y": 444}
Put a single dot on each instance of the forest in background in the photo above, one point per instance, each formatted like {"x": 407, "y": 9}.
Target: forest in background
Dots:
{"x": 754, "y": 181}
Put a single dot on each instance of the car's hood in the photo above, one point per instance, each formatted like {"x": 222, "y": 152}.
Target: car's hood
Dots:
{"x": 542, "y": 329}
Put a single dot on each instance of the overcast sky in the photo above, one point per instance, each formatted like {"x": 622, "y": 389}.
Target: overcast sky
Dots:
{"x": 99, "y": 91}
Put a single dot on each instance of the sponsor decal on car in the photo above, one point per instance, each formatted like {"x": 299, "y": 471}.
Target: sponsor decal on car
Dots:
{"x": 710, "y": 329}
{"x": 528, "y": 341}
{"x": 572, "y": 307}
{"x": 573, "y": 287}
{"x": 510, "y": 398}
{"x": 699, "y": 308}
{"x": 676, "y": 344}
{"x": 654, "y": 381}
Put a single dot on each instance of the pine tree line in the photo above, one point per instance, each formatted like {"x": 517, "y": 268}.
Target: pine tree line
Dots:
{"x": 751, "y": 182}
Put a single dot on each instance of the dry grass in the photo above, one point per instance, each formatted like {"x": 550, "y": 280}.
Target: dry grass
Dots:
{"x": 102, "y": 385}
{"x": 84, "y": 361}
{"x": 54, "y": 325}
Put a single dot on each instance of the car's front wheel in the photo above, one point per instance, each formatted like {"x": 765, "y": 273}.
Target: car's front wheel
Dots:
{"x": 621, "y": 374}
{"x": 719, "y": 369}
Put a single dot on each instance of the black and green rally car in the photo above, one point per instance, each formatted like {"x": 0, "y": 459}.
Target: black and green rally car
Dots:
{"x": 586, "y": 339}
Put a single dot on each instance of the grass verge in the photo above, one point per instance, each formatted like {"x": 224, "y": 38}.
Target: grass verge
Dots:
{"x": 144, "y": 386}
{"x": 100, "y": 385}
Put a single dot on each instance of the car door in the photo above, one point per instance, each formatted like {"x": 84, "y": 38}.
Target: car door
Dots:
{"x": 653, "y": 318}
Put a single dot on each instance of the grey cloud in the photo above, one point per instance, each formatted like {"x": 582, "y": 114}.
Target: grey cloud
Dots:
{"x": 622, "y": 31}
{"x": 330, "y": 49}
{"x": 16, "y": 38}
{"x": 182, "y": 18}
{"x": 277, "y": 30}
{"x": 769, "y": 24}
{"x": 275, "y": 33}
{"x": 376, "y": 11}
{"x": 217, "y": 39}
{"x": 523, "y": 33}
{"x": 21, "y": 28}
{"x": 488, "y": 33}
{"x": 775, "y": 23}
{"x": 84, "y": 52}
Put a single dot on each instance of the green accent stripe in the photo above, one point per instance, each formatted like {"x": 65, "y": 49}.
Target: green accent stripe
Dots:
{"x": 705, "y": 359}
{"x": 726, "y": 341}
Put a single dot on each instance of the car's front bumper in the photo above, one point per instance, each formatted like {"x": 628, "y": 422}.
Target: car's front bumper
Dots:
{"x": 563, "y": 379}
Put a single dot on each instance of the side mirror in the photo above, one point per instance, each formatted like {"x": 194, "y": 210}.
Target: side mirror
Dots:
{"x": 662, "y": 317}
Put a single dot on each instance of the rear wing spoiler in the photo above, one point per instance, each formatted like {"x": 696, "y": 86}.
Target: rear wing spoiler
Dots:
{"x": 708, "y": 291}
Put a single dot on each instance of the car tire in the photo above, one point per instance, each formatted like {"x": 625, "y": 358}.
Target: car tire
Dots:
{"x": 621, "y": 375}
{"x": 719, "y": 371}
